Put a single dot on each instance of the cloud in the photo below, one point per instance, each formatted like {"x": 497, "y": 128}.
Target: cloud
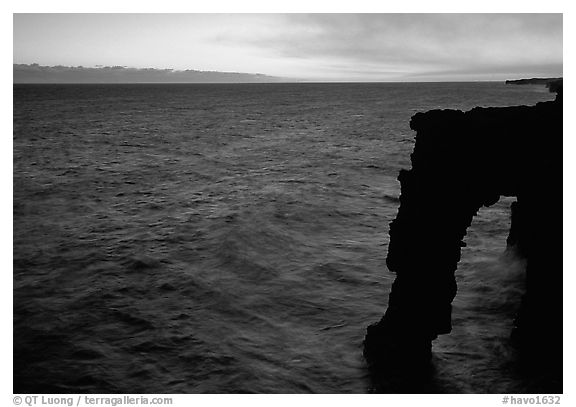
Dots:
{"x": 417, "y": 43}
{"x": 305, "y": 46}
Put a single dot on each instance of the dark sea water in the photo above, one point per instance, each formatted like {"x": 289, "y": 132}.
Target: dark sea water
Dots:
{"x": 232, "y": 238}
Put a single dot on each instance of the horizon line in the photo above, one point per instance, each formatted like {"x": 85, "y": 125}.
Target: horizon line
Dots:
{"x": 264, "y": 77}
{"x": 303, "y": 81}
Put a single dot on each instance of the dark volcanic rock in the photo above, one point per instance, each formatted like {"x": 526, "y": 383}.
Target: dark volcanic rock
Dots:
{"x": 461, "y": 162}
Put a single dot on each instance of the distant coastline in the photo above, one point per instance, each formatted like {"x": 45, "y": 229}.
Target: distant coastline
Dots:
{"x": 34, "y": 73}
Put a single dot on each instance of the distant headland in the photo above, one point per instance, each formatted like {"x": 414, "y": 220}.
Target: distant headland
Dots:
{"x": 532, "y": 81}
{"x": 553, "y": 84}
{"x": 34, "y": 73}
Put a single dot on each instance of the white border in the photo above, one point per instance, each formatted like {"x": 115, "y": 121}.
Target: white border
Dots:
{"x": 356, "y": 6}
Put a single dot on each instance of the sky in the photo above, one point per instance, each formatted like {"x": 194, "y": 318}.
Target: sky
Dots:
{"x": 317, "y": 47}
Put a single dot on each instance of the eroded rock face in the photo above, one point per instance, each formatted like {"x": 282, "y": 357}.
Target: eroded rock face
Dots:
{"x": 461, "y": 162}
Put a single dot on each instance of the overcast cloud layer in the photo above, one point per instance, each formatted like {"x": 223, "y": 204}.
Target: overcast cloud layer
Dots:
{"x": 349, "y": 47}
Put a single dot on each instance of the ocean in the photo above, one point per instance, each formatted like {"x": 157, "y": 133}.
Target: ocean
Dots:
{"x": 231, "y": 238}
